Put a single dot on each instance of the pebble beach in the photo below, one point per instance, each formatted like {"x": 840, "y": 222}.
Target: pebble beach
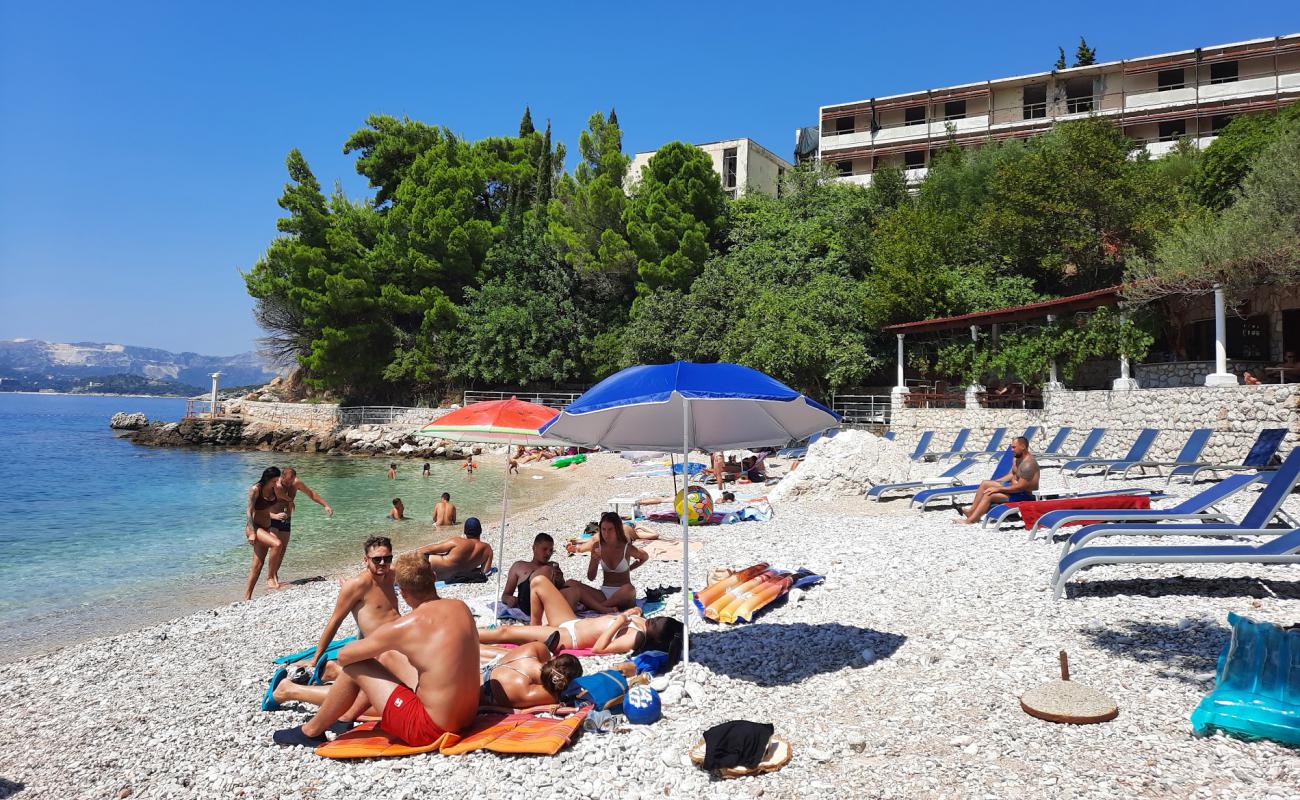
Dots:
{"x": 899, "y": 677}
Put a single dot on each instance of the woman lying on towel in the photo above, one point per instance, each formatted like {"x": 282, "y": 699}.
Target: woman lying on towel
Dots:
{"x": 624, "y": 632}
{"x": 527, "y": 678}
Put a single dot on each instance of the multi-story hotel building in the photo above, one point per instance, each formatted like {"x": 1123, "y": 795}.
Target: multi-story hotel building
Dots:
{"x": 1156, "y": 99}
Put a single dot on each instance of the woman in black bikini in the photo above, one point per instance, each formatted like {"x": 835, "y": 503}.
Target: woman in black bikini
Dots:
{"x": 525, "y": 678}
{"x": 262, "y": 498}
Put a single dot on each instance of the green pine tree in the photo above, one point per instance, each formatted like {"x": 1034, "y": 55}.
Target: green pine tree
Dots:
{"x": 526, "y": 124}
{"x": 1084, "y": 56}
{"x": 1060, "y": 59}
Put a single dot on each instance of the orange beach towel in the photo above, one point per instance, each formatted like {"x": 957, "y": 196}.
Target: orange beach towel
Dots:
{"x": 514, "y": 733}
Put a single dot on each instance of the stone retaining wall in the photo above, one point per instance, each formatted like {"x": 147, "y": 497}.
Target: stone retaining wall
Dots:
{"x": 1236, "y": 414}
{"x": 313, "y": 417}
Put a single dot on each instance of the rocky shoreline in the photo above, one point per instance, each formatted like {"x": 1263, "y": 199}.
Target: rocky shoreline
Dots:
{"x": 240, "y": 434}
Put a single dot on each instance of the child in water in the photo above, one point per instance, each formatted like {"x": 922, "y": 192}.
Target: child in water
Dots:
{"x": 469, "y": 466}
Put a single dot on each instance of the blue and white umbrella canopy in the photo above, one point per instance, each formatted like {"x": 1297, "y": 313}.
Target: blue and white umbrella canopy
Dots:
{"x": 731, "y": 407}
{"x": 689, "y": 406}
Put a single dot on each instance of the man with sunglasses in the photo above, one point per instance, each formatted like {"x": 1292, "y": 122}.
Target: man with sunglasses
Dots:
{"x": 369, "y": 597}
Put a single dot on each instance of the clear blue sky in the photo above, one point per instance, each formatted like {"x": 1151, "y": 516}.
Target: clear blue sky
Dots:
{"x": 142, "y": 144}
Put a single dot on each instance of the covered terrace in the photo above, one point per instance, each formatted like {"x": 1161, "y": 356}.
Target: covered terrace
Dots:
{"x": 975, "y": 396}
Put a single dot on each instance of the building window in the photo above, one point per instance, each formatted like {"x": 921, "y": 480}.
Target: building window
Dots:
{"x": 1078, "y": 95}
{"x": 954, "y": 109}
{"x": 1169, "y": 79}
{"x": 1172, "y": 129}
{"x": 845, "y": 168}
{"x": 729, "y": 168}
{"x": 913, "y": 159}
{"x": 845, "y": 124}
{"x": 915, "y": 115}
{"x": 1218, "y": 122}
{"x": 1035, "y": 101}
{"x": 1223, "y": 72}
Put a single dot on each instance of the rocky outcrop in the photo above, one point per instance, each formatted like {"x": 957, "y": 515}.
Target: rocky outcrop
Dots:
{"x": 122, "y": 421}
{"x": 843, "y": 465}
{"x": 374, "y": 440}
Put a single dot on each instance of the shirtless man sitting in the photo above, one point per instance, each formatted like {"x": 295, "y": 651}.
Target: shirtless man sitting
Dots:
{"x": 464, "y": 558}
{"x": 371, "y": 601}
{"x": 439, "y": 689}
{"x": 444, "y": 513}
{"x": 1016, "y": 486}
{"x": 516, "y": 592}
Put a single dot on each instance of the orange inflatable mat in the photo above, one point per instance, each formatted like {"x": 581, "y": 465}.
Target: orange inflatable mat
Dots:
{"x": 527, "y": 734}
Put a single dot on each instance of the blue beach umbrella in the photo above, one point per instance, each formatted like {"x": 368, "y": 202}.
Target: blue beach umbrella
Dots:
{"x": 708, "y": 407}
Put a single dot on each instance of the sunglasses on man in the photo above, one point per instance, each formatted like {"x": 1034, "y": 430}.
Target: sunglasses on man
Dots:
{"x": 380, "y": 561}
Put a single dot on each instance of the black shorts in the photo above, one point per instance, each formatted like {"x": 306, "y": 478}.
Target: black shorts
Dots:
{"x": 281, "y": 525}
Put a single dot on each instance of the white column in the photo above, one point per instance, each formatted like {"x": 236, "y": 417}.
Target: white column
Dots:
{"x": 1220, "y": 376}
{"x": 900, "y": 388}
{"x": 212, "y": 411}
{"x": 975, "y": 389}
{"x": 1125, "y": 381}
{"x": 1053, "y": 382}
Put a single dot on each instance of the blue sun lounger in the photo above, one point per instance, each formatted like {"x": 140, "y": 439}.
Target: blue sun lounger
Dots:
{"x": 922, "y": 445}
{"x": 1260, "y": 457}
{"x": 1186, "y": 457}
{"x": 1053, "y": 448}
{"x": 1139, "y": 449}
{"x": 947, "y": 478}
{"x": 991, "y": 448}
{"x": 1004, "y": 512}
{"x": 1284, "y": 549}
{"x": 1049, "y": 459}
{"x": 958, "y": 442}
{"x": 1198, "y": 507}
{"x": 926, "y": 495}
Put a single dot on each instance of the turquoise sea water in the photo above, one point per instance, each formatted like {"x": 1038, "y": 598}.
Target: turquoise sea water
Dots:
{"x": 98, "y": 535}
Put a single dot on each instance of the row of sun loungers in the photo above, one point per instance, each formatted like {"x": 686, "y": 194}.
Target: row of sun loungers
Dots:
{"x": 1199, "y": 515}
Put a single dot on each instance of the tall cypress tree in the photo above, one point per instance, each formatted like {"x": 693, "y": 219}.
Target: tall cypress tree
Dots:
{"x": 526, "y": 124}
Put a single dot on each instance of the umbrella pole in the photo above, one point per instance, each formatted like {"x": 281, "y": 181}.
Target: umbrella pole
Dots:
{"x": 686, "y": 537}
{"x": 501, "y": 540}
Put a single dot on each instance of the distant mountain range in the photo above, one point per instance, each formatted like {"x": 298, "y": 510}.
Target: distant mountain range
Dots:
{"x": 32, "y": 365}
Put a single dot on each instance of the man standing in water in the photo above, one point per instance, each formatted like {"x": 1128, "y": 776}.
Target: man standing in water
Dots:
{"x": 439, "y": 690}
{"x": 444, "y": 513}
{"x": 287, "y": 489}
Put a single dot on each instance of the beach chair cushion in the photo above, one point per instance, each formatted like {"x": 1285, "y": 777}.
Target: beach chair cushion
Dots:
{"x": 1032, "y": 510}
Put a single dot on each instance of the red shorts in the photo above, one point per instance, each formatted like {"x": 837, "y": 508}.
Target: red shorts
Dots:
{"x": 404, "y": 717}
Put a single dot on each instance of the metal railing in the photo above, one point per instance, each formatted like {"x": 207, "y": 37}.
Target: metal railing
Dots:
{"x": 204, "y": 408}
{"x": 550, "y": 399}
{"x": 863, "y": 409}
{"x": 376, "y": 415}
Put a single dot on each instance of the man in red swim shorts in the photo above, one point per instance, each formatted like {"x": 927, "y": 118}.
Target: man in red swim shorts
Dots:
{"x": 437, "y": 691}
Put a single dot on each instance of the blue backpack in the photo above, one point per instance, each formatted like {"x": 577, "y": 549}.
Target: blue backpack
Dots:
{"x": 604, "y": 690}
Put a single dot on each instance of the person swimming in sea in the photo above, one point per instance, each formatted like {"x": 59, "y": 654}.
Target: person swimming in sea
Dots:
{"x": 398, "y": 511}
{"x": 469, "y": 466}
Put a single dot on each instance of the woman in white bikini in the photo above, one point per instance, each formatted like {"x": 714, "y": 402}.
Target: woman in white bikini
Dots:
{"x": 613, "y": 552}
{"x": 609, "y": 634}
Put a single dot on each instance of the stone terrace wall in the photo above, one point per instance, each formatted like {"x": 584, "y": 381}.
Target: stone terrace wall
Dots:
{"x": 313, "y": 417}
{"x": 1235, "y": 413}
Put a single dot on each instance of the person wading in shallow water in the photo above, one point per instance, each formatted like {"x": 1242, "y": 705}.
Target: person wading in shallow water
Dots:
{"x": 263, "y": 499}
{"x": 287, "y": 488}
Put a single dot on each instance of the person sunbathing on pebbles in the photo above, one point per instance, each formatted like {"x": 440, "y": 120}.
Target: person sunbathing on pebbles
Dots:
{"x": 464, "y": 558}
{"x": 437, "y": 687}
{"x": 555, "y": 623}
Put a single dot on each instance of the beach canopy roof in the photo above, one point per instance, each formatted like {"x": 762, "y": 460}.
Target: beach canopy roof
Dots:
{"x": 731, "y": 406}
{"x": 1058, "y": 306}
{"x": 510, "y": 421}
